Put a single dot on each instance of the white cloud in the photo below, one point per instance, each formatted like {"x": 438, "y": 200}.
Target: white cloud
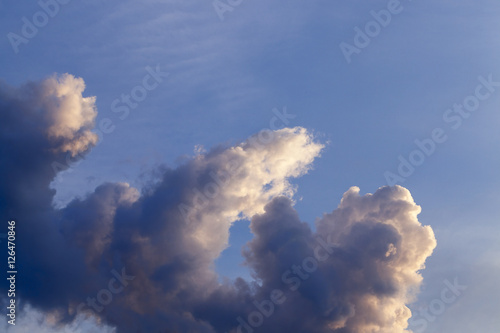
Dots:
{"x": 252, "y": 173}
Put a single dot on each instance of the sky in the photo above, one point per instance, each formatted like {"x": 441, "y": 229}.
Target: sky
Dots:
{"x": 118, "y": 117}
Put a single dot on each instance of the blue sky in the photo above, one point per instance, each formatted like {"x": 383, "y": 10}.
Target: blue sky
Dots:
{"x": 225, "y": 78}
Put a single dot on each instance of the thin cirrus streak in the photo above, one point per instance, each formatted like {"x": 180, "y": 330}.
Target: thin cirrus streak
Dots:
{"x": 153, "y": 250}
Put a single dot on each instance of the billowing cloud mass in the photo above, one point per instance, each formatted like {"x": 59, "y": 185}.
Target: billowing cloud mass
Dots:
{"x": 143, "y": 260}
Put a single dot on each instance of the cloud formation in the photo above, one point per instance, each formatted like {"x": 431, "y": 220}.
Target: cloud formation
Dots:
{"x": 143, "y": 261}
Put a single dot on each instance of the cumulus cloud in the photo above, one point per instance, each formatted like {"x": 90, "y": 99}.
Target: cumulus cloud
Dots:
{"x": 143, "y": 261}
{"x": 237, "y": 182}
{"x": 356, "y": 273}
{"x": 57, "y": 109}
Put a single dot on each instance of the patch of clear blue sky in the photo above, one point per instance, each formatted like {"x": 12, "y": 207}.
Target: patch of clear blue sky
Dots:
{"x": 227, "y": 76}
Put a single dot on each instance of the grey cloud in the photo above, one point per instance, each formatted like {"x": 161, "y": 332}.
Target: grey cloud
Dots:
{"x": 168, "y": 235}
